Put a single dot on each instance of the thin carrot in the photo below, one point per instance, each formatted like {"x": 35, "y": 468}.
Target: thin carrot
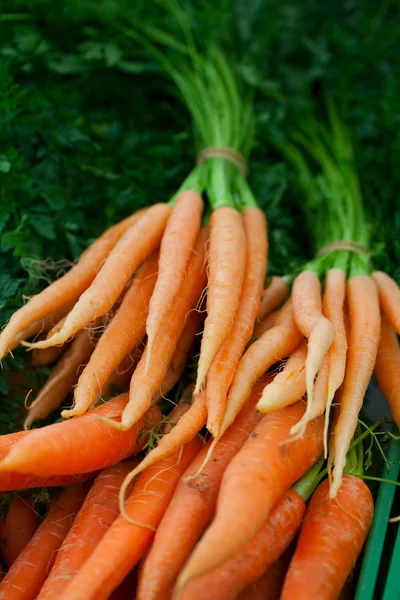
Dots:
{"x": 127, "y": 540}
{"x": 98, "y": 512}
{"x": 254, "y": 557}
{"x": 66, "y": 289}
{"x": 223, "y": 367}
{"x": 363, "y": 305}
{"x": 121, "y": 336}
{"x": 307, "y": 309}
{"x": 28, "y": 573}
{"x": 192, "y": 507}
{"x": 389, "y": 297}
{"x": 63, "y": 378}
{"x": 387, "y": 367}
{"x": 319, "y": 401}
{"x": 17, "y": 528}
{"x": 47, "y": 356}
{"x": 176, "y": 247}
{"x": 81, "y": 445}
{"x": 269, "y": 586}
{"x": 137, "y": 243}
{"x": 289, "y": 385}
{"x": 226, "y": 265}
{"x": 253, "y": 482}
{"x": 121, "y": 376}
{"x": 273, "y": 297}
{"x": 263, "y": 326}
{"x": 331, "y": 539}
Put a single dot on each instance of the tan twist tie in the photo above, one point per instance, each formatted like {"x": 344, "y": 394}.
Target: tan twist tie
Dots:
{"x": 347, "y": 245}
{"x": 229, "y": 154}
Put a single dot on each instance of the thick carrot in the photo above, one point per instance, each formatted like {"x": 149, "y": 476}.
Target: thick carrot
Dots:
{"x": 269, "y": 586}
{"x": 144, "y": 387}
{"x": 363, "y": 305}
{"x": 253, "y": 482}
{"x": 28, "y": 573}
{"x": 223, "y": 367}
{"x": 273, "y": 297}
{"x": 192, "y": 507}
{"x": 17, "y": 528}
{"x": 226, "y": 265}
{"x": 98, "y": 512}
{"x": 389, "y": 297}
{"x": 137, "y": 243}
{"x": 266, "y": 324}
{"x": 254, "y": 557}
{"x": 307, "y": 309}
{"x": 289, "y": 385}
{"x": 66, "y": 289}
{"x": 126, "y": 541}
{"x": 331, "y": 539}
{"x": 387, "y": 367}
{"x": 274, "y": 345}
{"x": 81, "y": 445}
{"x": 63, "y": 378}
{"x": 176, "y": 247}
{"x": 121, "y": 336}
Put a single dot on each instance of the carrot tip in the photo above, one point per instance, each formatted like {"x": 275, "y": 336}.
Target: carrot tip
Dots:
{"x": 115, "y": 424}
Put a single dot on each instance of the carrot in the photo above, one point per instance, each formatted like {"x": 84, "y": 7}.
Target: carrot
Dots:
{"x": 387, "y": 367}
{"x": 28, "y": 573}
{"x": 47, "y": 356}
{"x": 121, "y": 336}
{"x": 16, "y": 530}
{"x": 127, "y": 540}
{"x": 266, "y": 324}
{"x": 66, "y": 289}
{"x": 269, "y": 586}
{"x": 226, "y": 265}
{"x": 121, "y": 376}
{"x": 273, "y": 297}
{"x": 253, "y": 482}
{"x": 176, "y": 247}
{"x": 143, "y": 388}
{"x": 331, "y": 539}
{"x": 223, "y": 367}
{"x": 254, "y": 557}
{"x": 192, "y": 507}
{"x": 81, "y": 445}
{"x": 98, "y": 512}
{"x": 63, "y": 378}
{"x": 275, "y": 344}
{"x": 389, "y": 297}
{"x": 137, "y": 243}
{"x": 307, "y": 309}
{"x": 289, "y": 385}
{"x": 363, "y": 305}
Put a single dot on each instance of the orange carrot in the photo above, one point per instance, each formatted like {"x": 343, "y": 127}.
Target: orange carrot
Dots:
{"x": 81, "y": 445}
{"x": 28, "y": 573}
{"x": 389, "y": 297}
{"x": 47, "y": 356}
{"x": 363, "y": 304}
{"x": 226, "y": 265}
{"x": 387, "y": 367}
{"x": 273, "y": 297}
{"x": 307, "y": 309}
{"x": 289, "y": 385}
{"x": 331, "y": 539}
{"x": 266, "y": 324}
{"x": 127, "y": 540}
{"x": 66, "y": 289}
{"x": 63, "y": 378}
{"x": 121, "y": 336}
{"x": 269, "y": 586}
{"x": 192, "y": 507}
{"x": 253, "y": 482}
{"x": 254, "y": 557}
{"x": 137, "y": 243}
{"x": 98, "y": 512}
{"x": 16, "y": 530}
{"x": 223, "y": 367}
{"x": 176, "y": 247}
{"x": 121, "y": 376}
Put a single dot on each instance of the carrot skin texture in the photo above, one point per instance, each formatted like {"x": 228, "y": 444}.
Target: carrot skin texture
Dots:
{"x": 28, "y": 573}
{"x": 387, "y": 367}
{"x": 389, "y": 298}
{"x": 273, "y": 297}
{"x": 68, "y": 447}
{"x": 254, "y": 558}
{"x": 331, "y": 539}
{"x": 267, "y": 466}
{"x": 17, "y": 529}
{"x": 192, "y": 507}
{"x": 124, "y": 543}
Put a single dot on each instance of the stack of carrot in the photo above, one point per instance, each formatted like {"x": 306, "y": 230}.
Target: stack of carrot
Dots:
{"x": 216, "y": 519}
